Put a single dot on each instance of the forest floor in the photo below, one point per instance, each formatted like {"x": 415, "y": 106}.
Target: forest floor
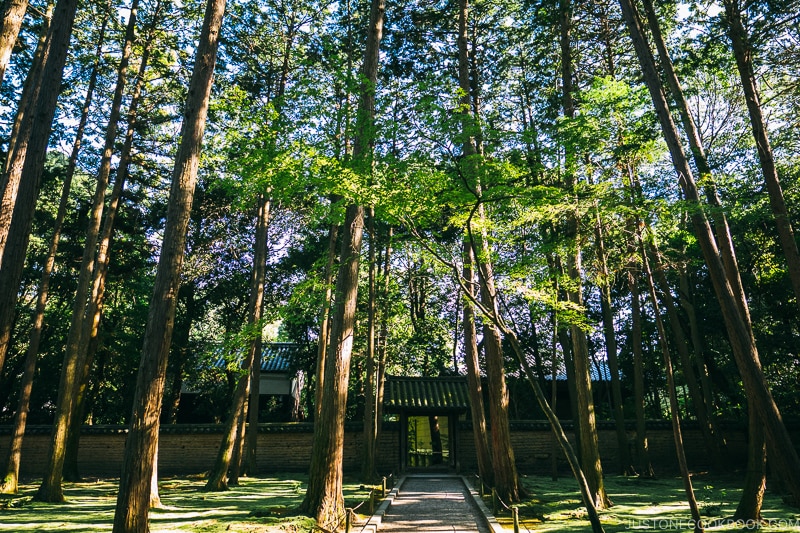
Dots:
{"x": 641, "y": 504}
{"x": 267, "y": 505}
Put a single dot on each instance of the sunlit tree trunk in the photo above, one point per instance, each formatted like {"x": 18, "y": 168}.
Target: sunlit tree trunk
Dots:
{"x": 11, "y": 478}
{"x": 133, "y": 499}
{"x": 484, "y": 457}
{"x": 12, "y": 14}
{"x": 586, "y": 493}
{"x": 324, "y": 321}
{"x": 324, "y": 498}
{"x": 477, "y": 412}
{"x": 90, "y": 324}
{"x": 72, "y": 367}
{"x": 155, "y": 497}
{"x": 233, "y": 434}
{"x": 241, "y": 433}
{"x": 588, "y": 443}
{"x": 21, "y": 178}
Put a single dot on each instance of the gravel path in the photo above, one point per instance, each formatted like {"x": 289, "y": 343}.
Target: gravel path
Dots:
{"x": 430, "y": 504}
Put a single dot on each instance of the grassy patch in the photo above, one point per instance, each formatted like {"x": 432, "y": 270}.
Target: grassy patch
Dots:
{"x": 644, "y": 505}
{"x": 257, "y": 505}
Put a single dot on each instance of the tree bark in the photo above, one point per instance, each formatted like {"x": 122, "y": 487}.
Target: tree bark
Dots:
{"x": 674, "y": 408}
{"x": 743, "y": 53}
{"x": 231, "y": 436}
{"x": 586, "y": 494}
{"x": 484, "y": 457}
{"x": 625, "y": 463}
{"x": 71, "y": 370}
{"x": 12, "y": 14}
{"x": 11, "y": 479}
{"x": 589, "y": 447}
{"x": 734, "y": 313}
{"x": 755, "y": 481}
{"x": 506, "y": 481}
{"x": 324, "y": 497}
{"x": 477, "y": 412}
{"x": 710, "y": 437}
{"x": 324, "y": 322}
{"x": 90, "y": 324}
{"x": 29, "y": 138}
{"x": 137, "y": 467}
{"x": 255, "y": 315}
{"x": 368, "y": 471}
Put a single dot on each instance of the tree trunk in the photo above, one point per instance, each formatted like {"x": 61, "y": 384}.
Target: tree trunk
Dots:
{"x": 72, "y": 367}
{"x": 137, "y": 467}
{"x": 586, "y": 494}
{"x": 477, "y": 412}
{"x": 368, "y": 471}
{"x": 644, "y": 467}
{"x": 710, "y": 438}
{"x": 90, "y": 323}
{"x": 250, "y": 459}
{"x": 324, "y": 497}
{"x": 22, "y": 139}
{"x": 231, "y": 436}
{"x": 504, "y": 468}
{"x": 588, "y": 444}
{"x": 255, "y": 314}
{"x": 484, "y": 457}
{"x": 10, "y": 481}
{"x": 674, "y": 407}
{"x": 744, "y": 63}
{"x": 324, "y": 322}
{"x": 733, "y": 306}
{"x": 697, "y": 344}
{"x": 12, "y": 15}
{"x": 155, "y": 498}
{"x": 755, "y": 481}
{"x": 625, "y": 463}
{"x": 235, "y": 469}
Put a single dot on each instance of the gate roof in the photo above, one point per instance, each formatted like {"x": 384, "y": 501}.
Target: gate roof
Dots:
{"x": 416, "y": 395}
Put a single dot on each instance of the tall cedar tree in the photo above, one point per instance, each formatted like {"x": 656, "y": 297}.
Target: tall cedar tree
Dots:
{"x": 324, "y": 497}
{"x": 50, "y": 489}
{"x": 25, "y": 163}
{"x": 470, "y": 332}
{"x": 723, "y": 277}
{"x": 587, "y": 430}
{"x": 89, "y": 341}
{"x": 133, "y": 500}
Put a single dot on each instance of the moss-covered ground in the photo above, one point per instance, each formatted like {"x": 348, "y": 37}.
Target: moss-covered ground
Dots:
{"x": 257, "y": 505}
{"x": 645, "y": 505}
{"x": 268, "y": 504}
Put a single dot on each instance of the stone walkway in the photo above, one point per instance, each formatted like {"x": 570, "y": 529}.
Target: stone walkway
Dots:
{"x": 430, "y": 504}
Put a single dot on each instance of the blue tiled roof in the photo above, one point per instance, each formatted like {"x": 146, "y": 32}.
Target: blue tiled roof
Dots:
{"x": 275, "y": 356}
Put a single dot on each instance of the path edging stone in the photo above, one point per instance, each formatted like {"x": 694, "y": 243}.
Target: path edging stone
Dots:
{"x": 375, "y": 521}
{"x": 491, "y": 521}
